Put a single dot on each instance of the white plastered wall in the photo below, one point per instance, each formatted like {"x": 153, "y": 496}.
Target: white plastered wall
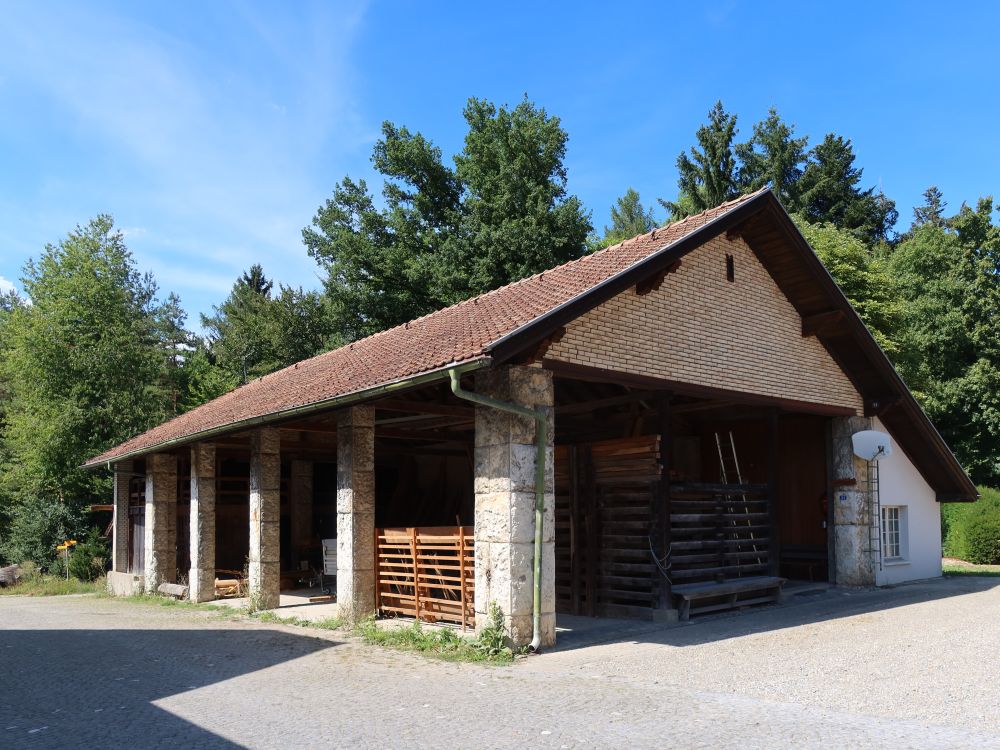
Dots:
{"x": 902, "y": 485}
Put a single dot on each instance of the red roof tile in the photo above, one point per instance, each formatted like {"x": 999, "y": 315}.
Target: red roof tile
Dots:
{"x": 457, "y": 334}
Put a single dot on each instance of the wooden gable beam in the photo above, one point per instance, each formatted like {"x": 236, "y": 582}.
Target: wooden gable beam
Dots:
{"x": 819, "y": 322}
{"x": 876, "y": 407}
{"x": 539, "y": 350}
{"x": 653, "y": 283}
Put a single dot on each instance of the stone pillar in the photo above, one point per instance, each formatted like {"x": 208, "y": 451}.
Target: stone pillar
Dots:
{"x": 122, "y": 480}
{"x": 356, "y": 512}
{"x": 265, "y": 518}
{"x": 201, "y": 579}
{"x": 852, "y": 520}
{"x": 505, "y": 503}
{"x": 161, "y": 520}
{"x": 301, "y": 498}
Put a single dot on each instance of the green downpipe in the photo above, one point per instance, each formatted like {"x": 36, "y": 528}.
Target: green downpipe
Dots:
{"x": 541, "y": 443}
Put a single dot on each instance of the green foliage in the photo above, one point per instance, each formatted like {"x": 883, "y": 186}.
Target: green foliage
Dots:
{"x": 950, "y": 343}
{"x": 932, "y": 211}
{"x": 862, "y": 277}
{"x": 443, "y": 643}
{"x": 710, "y": 175}
{"x": 447, "y": 234}
{"x": 773, "y": 156}
{"x": 53, "y": 585}
{"x": 629, "y": 218}
{"x": 253, "y": 333}
{"x": 83, "y": 368}
{"x": 971, "y": 531}
{"x": 493, "y": 639}
{"x": 829, "y": 192}
{"x": 89, "y": 558}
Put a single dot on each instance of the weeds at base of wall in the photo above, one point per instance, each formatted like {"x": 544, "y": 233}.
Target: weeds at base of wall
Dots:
{"x": 443, "y": 643}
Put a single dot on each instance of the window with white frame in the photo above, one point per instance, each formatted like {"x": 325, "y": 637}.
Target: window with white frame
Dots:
{"x": 894, "y": 533}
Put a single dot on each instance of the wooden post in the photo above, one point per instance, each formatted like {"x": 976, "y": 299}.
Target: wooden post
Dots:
{"x": 593, "y": 530}
{"x": 378, "y": 585}
{"x": 416, "y": 572}
{"x": 774, "y": 547}
{"x": 461, "y": 572}
{"x": 574, "y": 536}
{"x": 663, "y": 501}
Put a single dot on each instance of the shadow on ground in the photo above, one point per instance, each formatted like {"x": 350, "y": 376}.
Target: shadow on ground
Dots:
{"x": 576, "y": 631}
{"x": 96, "y": 688}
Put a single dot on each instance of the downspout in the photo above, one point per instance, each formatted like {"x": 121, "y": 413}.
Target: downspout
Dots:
{"x": 541, "y": 443}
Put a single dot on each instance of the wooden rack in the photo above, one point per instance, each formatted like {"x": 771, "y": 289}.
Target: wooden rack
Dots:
{"x": 426, "y": 573}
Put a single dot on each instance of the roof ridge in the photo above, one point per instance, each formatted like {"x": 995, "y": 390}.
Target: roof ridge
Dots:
{"x": 517, "y": 282}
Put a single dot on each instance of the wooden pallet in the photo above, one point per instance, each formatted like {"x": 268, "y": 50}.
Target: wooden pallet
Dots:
{"x": 426, "y": 573}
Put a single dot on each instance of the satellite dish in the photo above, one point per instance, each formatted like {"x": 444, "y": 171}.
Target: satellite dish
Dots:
{"x": 871, "y": 445}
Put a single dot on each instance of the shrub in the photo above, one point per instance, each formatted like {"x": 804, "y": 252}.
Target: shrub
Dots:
{"x": 972, "y": 531}
{"x": 89, "y": 559}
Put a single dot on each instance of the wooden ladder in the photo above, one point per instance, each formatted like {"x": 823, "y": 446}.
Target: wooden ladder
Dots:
{"x": 729, "y": 465}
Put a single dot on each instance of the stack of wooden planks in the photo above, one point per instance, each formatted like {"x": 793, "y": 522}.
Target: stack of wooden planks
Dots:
{"x": 719, "y": 531}
{"x": 605, "y": 493}
{"x": 426, "y": 573}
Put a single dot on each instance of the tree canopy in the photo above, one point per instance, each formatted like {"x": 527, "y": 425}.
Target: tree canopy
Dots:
{"x": 629, "y": 218}
{"x": 447, "y": 233}
{"x": 84, "y": 370}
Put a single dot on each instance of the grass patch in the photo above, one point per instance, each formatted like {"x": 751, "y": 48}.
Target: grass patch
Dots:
{"x": 444, "y": 643}
{"x": 51, "y": 585}
{"x": 962, "y": 568}
{"x": 167, "y": 601}
{"x": 328, "y": 623}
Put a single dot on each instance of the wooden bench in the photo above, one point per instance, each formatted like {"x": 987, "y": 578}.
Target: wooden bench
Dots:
{"x": 766, "y": 588}
{"x": 812, "y": 559}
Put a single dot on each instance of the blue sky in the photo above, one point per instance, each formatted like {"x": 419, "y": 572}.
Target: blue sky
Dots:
{"x": 213, "y": 131}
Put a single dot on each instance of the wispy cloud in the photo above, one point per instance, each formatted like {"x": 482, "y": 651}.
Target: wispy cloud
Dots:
{"x": 220, "y": 152}
{"x": 6, "y": 286}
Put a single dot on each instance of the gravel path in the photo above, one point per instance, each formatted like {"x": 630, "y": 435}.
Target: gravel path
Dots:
{"x": 914, "y": 667}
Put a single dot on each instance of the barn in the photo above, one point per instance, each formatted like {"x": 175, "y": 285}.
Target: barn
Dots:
{"x": 673, "y": 425}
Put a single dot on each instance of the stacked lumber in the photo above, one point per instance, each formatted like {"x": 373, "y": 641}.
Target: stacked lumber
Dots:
{"x": 604, "y": 502}
{"x": 719, "y": 531}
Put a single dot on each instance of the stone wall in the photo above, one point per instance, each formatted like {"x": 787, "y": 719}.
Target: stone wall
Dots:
{"x": 161, "y": 520}
{"x": 122, "y": 486}
{"x": 505, "y": 503}
{"x": 356, "y": 512}
{"x": 201, "y": 579}
{"x": 851, "y": 513}
{"x": 265, "y": 518}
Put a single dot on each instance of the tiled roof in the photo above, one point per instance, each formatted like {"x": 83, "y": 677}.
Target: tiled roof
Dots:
{"x": 457, "y": 334}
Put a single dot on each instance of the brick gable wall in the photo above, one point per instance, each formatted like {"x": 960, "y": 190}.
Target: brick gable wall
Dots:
{"x": 700, "y": 328}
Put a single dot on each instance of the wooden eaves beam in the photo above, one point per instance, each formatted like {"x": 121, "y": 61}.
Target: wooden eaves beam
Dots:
{"x": 653, "y": 282}
{"x": 819, "y": 322}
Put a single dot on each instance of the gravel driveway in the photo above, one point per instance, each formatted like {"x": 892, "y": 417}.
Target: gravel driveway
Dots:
{"x": 912, "y": 667}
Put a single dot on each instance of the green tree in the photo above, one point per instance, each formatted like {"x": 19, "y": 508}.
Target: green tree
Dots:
{"x": 829, "y": 192}
{"x": 253, "y": 333}
{"x": 948, "y": 276}
{"x": 862, "y": 276}
{"x": 517, "y": 218}
{"x": 710, "y": 175}
{"x": 932, "y": 211}
{"x": 629, "y": 218}
{"x": 83, "y": 368}
{"x": 445, "y": 233}
{"x": 773, "y": 156}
